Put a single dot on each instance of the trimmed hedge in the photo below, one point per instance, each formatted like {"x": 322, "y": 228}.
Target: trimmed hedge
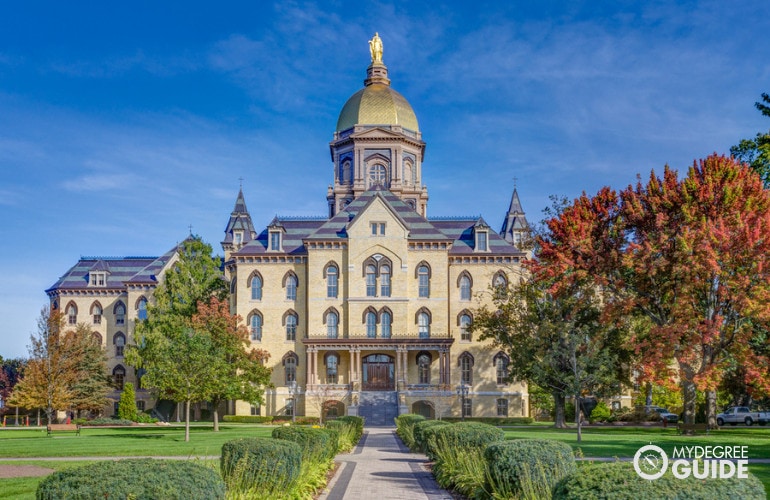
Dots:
{"x": 138, "y": 479}
{"x": 284, "y": 419}
{"x": 424, "y": 432}
{"x": 261, "y": 463}
{"x": 471, "y": 434}
{"x": 405, "y": 427}
{"x": 247, "y": 419}
{"x": 103, "y": 422}
{"x": 317, "y": 445}
{"x": 540, "y": 461}
{"x": 499, "y": 421}
{"x": 619, "y": 480}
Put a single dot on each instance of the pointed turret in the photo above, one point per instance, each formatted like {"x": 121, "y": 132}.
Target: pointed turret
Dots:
{"x": 240, "y": 229}
{"x": 515, "y": 224}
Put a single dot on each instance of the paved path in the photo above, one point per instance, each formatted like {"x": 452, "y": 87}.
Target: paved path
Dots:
{"x": 382, "y": 468}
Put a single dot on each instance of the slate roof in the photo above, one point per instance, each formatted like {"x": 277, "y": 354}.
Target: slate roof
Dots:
{"x": 240, "y": 220}
{"x": 515, "y": 219}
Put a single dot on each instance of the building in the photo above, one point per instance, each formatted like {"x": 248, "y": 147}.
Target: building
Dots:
{"x": 363, "y": 310}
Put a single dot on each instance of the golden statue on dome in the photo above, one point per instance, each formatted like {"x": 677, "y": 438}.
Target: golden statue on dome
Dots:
{"x": 375, "y": 47}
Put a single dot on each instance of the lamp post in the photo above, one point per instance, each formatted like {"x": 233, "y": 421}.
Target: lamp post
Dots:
{"x": 294, "y": 391}
{"x": 462, "y": 392}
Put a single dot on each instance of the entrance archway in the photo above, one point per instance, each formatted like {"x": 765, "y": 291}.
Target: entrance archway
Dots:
{"x": 378, "y": 373}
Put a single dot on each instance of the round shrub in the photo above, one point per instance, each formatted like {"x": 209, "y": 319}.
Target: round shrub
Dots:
{"x": 139, "y": 479}
{"x": 317, "y": 445}
{"x": 423, "y": 432}
{"x": 619, "y": 480}
{"x": 405, "y": 426}
{"x": 600, "y": 413}
{"x": 471, "y": 434}
{"x": 260, "y": 463}
{"x": 521, "y": 464}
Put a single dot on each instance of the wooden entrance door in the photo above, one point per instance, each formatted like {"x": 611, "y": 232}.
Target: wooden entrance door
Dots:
{"x": 378, "y": 373}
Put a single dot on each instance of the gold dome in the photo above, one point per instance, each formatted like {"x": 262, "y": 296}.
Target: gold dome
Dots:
{"x": 377, "y": 104}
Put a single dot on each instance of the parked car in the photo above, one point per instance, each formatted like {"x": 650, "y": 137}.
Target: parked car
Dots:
{"x": 742, "y": 415}
{"x": 663, "y": 413}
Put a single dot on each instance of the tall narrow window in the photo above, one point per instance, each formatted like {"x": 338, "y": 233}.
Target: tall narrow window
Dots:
{"x": 467, "y": 407}
{"x": 465, "y": 324}
{"x": 385, "y": 281}
{"x": 291, "y": 327}
{"x": 331, "y": 282}
{"x": 275, "y": 241}
{"x": 142, "y": 309}
{"x": 482, "y": 241}
{"x": 386, "y": 321}
{"x": 466, "y": 368}
{"x": 332, "y": 360}
{"x": 120, "y": 314}
{"x": 423, "y": 277}
{"x": 256, "y": 288}
{"x": 371, "y": 281}
{"x": 255, "y": 325}
{"x": 97, "y": 313}
{"x": 72, "y": 314}
{"x": 291, "y": 287}
{"x": 118, "y": 377}
{"x": 290, "y": 369}
{"x": 332, "y": 320}
{"x": 423, "y": 368}
{"x": 120, "y": 344}
{"x": 423, "y": 325}
{"x": 465, "y": 288}
{"x": 502, "y": 407}
{"x": 371, "y": 324}
{"x": 501, "y": 368}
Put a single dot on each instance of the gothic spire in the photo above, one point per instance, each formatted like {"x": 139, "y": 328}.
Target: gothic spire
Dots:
{"x": 515, "y": 223}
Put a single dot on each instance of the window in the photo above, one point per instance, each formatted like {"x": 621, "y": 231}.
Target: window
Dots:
{"x": 423, "y": 325}
{"x": 378, "y": 228}
{"x": 291, "y": 327}
{"x": 255, "y": 410}
{"x": 332, "y": 360}
{"x": 331, "y": 281}
{"x": 466, "y": 368}
{"x": 502, "y": 407}
{"x": 465, "y": 323}
{"x": 290, "y": 368}
{"x": 72, "y": 314}
{"x": 467, "y": 407}
{"x": 501, "y": 368}
{"x": 97, "y": 337}
{"x": 275, "y": 241}
{"x": 291, "y": 287}
{"x": 256, "y": 287}
{"x": 371, "y": 324}
{"x": 499, "y": 281}
{"x": 371, "y": 281}
{"x": 98, "y": 279}
{"x": 465, "y": 288}
{"x": 120, "y": 314}
{"x": 423, "y": 279}
{"x": 238, "y": 237}
{"x": 140, "y": 405}
{"x": 96, "y": 311}
{"x": 386, "y": 321}
{"x": 118, "y": 377}
{"x": 120, "y": 342}
{"x": 385, "y": 281}
{"x": 481, "y": 241}
{"x": 423, "y": 367}
{"x": 255, "y": 325}
{"x": 142, "y": 309}
{"x": 332, "y": 320}
{"x": 378, "y": 175}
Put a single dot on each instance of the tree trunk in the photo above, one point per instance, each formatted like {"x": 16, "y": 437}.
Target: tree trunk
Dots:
{"x": 688, "y": 395}
{"x": 578, "y": 419}
{"x": 559, "y": 420}
{"x": 187, "y": 421}
{"x": 648, "y": 397}
{"x": 711, "y": 409}
{"x": 216, "y": 418}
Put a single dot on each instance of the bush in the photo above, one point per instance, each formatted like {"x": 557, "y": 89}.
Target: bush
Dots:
{"x": 265, "y": 465}
{"x": 619, "y": 480}
{"x": 528, "y": 466}
{"x": 317, "y": 445}
{"x": 247, "y": 419}
{"x": 284, "y": 419}
{"x": 423, "y": 432}
{"x": 104, "y": 422}
{"x": 347, "y": 434}
{"x": 127, "y": 404}
{"x": 144, "y": 418}
{"x": 145, "y": 478}
{"x": 500, "y": 421}
{"x": 601, "y": 413}
{"x": 472, "y": 434}
{"x": 357, "y": 423}
{"x": 405, "y": 426}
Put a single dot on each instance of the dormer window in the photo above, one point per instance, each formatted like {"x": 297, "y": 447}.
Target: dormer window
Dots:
{"x": 481, "y": 240}
{"x": 97, "y": 278}
{"x": 275, "y": 241}
{"x": 238, "y": 237}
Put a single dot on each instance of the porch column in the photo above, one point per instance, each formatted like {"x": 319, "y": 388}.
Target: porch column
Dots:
{"x": 441, "y": 368}
{"x": 315, "y": 365}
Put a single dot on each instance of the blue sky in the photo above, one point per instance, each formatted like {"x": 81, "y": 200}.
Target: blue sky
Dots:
{"x": 123, "y": 124}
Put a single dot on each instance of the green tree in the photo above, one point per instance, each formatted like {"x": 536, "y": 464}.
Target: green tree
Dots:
{"x": 756, "y": 151}
{"x": 10, "y": 373}
{"x": 91, "y": 383}
{"x": 127, "y": 405}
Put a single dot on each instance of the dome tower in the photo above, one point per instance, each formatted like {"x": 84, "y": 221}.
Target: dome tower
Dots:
{"x": 377, "y": 142}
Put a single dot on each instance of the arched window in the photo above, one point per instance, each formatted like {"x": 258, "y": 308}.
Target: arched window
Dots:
{"x": 465, "y": 324}
{"x": 465, "y": 287}
{"x": 501, "y": 368}
{"x": 72, "y": 314}
{"x": 290, "y": 367}
{"x": 332, "y": 360}
{"x": 371, "y": 281}
{"x": 423, "y": 325}
{"x": 256, "y": 287}
{"x": 423, "y": 367}
{"x": 118, "y": 377}
{"x": 386, "y": 322}
{"x": 290, "y": 319}
{"x": 233, "y": 286}
{"x": 141, "y": 308}
{"x": 332, "y": 322}
{"x": 97, "y": 337}
{"x": 120, "y": 313}
{"x": 371, "y": 324}
{"x": 96, "y": 312}
{"x": 466, "y": 368}
{"x": 385, "y": 281}
{"x": 120, "y": 343}
{"x": 423, "y": 280}
{"x": 291, "y": 287}
{"x": 256, "y": 327}
{"x": 331, "y": 281}
{"x": 378, "y": 175}
{"x": 499, "y": 281}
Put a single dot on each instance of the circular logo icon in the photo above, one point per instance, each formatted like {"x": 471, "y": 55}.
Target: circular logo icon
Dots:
{"x": 650, "y": 462}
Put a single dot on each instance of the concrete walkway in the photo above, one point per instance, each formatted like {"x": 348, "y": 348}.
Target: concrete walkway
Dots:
{"x": 382, "y": 468}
